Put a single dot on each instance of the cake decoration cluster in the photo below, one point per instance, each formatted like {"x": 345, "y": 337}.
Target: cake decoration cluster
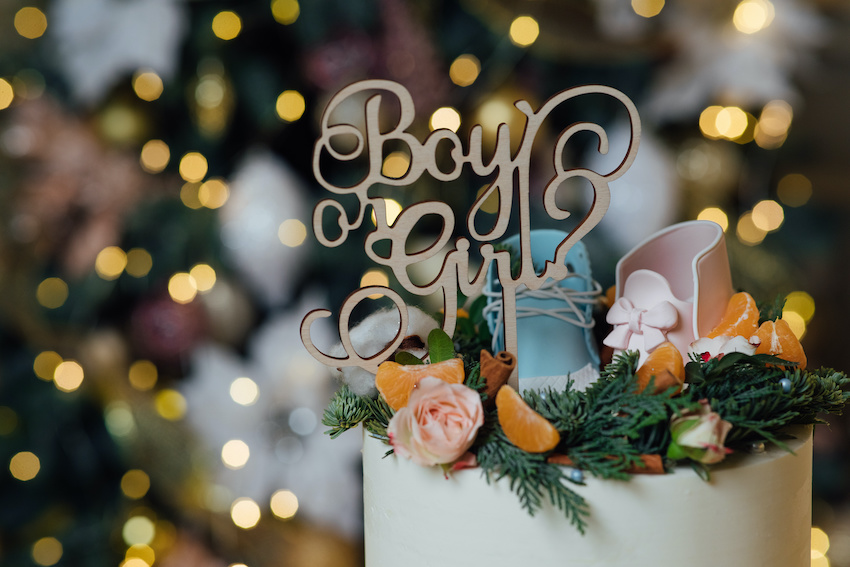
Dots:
{"x": 694, "y": 372}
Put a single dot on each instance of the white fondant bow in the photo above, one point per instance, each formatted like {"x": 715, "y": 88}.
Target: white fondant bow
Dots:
{"x": 652, "y": 323}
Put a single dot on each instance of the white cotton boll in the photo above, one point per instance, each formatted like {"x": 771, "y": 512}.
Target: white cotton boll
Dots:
{"x": 99, "y": 42}
{"x": 372, "y": 335}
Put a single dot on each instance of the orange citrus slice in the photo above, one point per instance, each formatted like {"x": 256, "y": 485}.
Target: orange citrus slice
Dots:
{"x": 741, "y": 318}
{"x": 523, "y": 426}
{"x": 395, "y": 381}
{"x": 666, "y": 364}
{"x": 778, "y": 339}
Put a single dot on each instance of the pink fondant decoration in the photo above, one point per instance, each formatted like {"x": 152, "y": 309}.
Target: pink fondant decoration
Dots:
{"x": 686, "y": 265}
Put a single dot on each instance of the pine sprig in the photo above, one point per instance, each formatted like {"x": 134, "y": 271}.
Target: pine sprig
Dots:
{"x": 474, "y": 379}
{"x": 622, "y": 423}
{"x": 531, "y": 477}
{"x": 750, "y": 396}
{"x": 345, "y": 411}
{"x": 381, "y": 414}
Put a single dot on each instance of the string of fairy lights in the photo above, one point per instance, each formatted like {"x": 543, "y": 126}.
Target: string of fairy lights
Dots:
{"x": 143, "y": 533}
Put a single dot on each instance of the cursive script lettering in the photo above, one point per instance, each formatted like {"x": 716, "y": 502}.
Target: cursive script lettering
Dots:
{"x": 510, "y": 182}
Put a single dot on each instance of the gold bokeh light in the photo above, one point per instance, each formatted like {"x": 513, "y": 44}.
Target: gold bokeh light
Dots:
{"x": 24, "y": 465}
{"x": 731, "y": 122}
{"x": 284, "y": 504}
{"x": 647, "y": 8}
{"x": 30, "y": 22}
{"x": 708, "y": 122}
{"x": 524, "y": 31}
{"x": 464, "y": 70}
{"x": 182, "y": 287}
{"x": 395, "y": 165}
{"x": 147, "y": 85}
{"x": 290, "y": 105}
{"x": 213, "y": 193}
{"x": 8, "y": 420}
{"x": 110, "y": 262}
{"x": 52, "y": 293}
{"x": 285, "y": 12}
{"x": 491, "y": 203}
{"x": 227, "y": 25}
{"x": 445, "y": 117}
{"x": 801, "y": 303}
{"x": 752, "y": 16}
{"x": 794, "y": 190}
{"x": 235, "y": 454}
{"x": 141, "y": 552}
{"x": 155, "y": 156}
{"x": 714, "y": 215}
{"x": 375, "y": 276}
{"x": 135, "y": 484}
{"x": 773, "y": 125}
{"x": 204, "y": 276}
{"x": 193, "y": 167}
{"x": 245, "y": 513}
{"x": 393, "y": 208}
{"x": 244, "y": 391}
{"x": 139, "y": 262}
{"x": 138, "y": 530}
{"x": 119, "y": 420}
{"x": 292, "y": 233}
{"x": 143, "y": 375}
{"x": 7, "y": 93}
{"x": 768, "y": 215}
{"x": 68, "y": 375}
{"x": 747, "y": 232}
{"x": 170, "y": 404}
{"x": 45, "y": 364}
{"x": 47, "y": 551}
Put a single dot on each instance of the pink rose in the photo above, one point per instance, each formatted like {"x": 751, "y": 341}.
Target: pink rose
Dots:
{"x": 438, "y": 424}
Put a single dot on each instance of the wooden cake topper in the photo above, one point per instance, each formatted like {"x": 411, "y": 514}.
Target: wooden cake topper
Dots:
{"x": 454, "y": 275}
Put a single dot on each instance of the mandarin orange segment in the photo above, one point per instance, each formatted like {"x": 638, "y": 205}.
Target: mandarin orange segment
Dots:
{"x": 741, "y": 318}
{"x": 523, "y": 426}
{"x": 395, "y": 381}
{"x": 777, "y": 338}
{"x": 666, "y": 364}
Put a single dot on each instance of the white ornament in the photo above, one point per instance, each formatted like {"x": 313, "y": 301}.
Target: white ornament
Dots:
{"x": 264, "y": 192}
{"x": 646, "y": 198}
{"x": 99, "y": 42}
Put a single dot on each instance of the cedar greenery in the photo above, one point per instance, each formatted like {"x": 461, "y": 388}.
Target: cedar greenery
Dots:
{"x": 605, "y": 429}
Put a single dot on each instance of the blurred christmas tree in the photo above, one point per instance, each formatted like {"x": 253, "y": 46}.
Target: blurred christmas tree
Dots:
{"x": 155, "y": 176}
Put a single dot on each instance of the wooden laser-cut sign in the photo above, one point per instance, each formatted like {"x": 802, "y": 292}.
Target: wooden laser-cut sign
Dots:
{"x": 454, "y": 275}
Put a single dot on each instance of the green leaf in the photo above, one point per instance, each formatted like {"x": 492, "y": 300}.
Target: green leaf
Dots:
{"x": 701, "y": 470}
{"x": 440, "y": 346}
{"x": 693, "y": 373}
{"x": 675, "y": 452}
{"x": 404, "y": 357}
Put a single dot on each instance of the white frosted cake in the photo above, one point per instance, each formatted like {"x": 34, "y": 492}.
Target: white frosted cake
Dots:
{"x": 756, "y": 511}
{"x": 501, "y": 432}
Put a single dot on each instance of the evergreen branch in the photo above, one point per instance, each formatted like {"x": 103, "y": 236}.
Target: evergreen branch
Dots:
{"x": 380, "y": 415}
{"x": 474, "y": 379}
{"x": 345, "y": 411}
{"x": 531, "y": 477}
